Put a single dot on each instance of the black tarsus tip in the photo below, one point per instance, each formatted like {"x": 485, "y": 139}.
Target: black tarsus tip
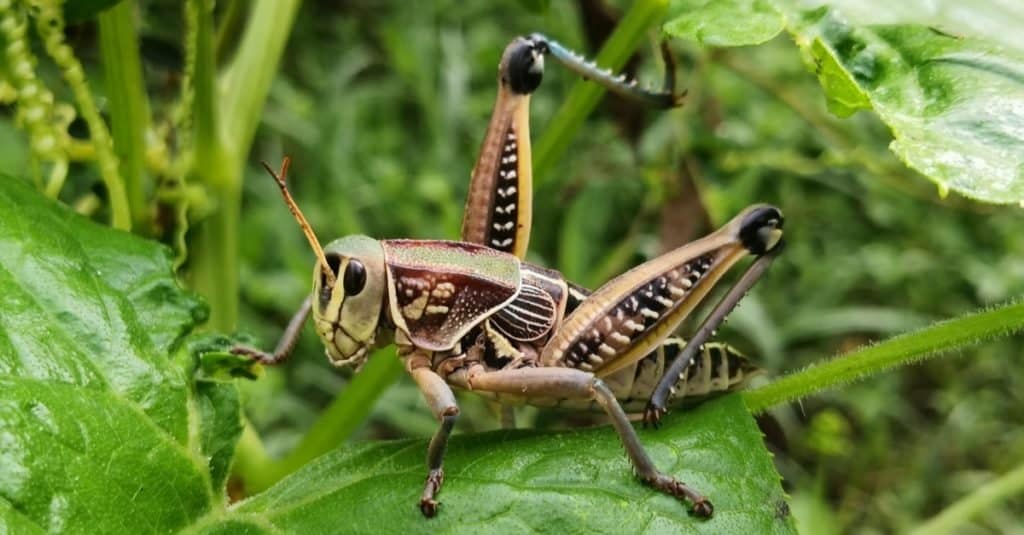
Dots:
{"x": 761, "y": 230}
{"x": 703, "y": 509}
{"x": 522, "y": 65}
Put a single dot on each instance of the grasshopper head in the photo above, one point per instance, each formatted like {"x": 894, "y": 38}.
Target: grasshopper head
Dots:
{"x": 348, "y": 286}
{"x": 347, "y": 309}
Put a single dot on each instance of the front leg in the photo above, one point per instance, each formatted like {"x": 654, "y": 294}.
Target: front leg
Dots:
{"x": 441, "y": 400}
{"x": 576, "y": 384}
{"x": 287, "y": 342}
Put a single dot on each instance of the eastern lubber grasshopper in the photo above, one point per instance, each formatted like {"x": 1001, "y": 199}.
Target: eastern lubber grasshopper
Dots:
{"x": 473, "y": 315}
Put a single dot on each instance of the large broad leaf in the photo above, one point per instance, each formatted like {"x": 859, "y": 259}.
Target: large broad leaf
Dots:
{"x": 948, "y": 80}
{"x": 101, "y": 427}
{"x": 104, "y": 429}
{"x": 524, "y": 481}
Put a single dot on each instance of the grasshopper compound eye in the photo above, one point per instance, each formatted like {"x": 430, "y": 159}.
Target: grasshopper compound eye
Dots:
{"x": 355, "y": 277}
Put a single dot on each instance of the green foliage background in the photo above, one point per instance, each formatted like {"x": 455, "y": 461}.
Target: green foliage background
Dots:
{"x": 383, "y": 107}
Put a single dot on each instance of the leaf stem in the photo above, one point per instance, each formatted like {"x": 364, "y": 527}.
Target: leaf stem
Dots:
{"x": 936, "y": 339}
{"x": 225, "y": 123}
{"x": 251, "y": 461}
{"x": 214, "y": 264}
{"x": 584, "y": 96}
{"x": 985, "y": 497}
{"x": 129, "y": 112}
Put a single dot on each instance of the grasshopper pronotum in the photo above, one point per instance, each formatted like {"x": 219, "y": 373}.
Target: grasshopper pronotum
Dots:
{"x": 473, "y": 315}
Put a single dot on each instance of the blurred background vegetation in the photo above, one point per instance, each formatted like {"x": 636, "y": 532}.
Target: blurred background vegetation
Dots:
{"x": 382, "y": 105}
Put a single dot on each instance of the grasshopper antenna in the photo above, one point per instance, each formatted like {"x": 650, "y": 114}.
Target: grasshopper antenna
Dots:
{"x": 280, "y": 178}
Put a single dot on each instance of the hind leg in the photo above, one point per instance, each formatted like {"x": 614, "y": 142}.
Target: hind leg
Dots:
{"x": 576, "y": 384}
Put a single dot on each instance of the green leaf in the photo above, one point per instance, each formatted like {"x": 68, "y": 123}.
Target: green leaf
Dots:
{"x": 993, "y": 19}
{"x": 948, "y": 81}
{"x": 225, "y": 366}
{"x": 101, "y": 424}
{"x": 527, "y": 481}
{"x": 842, "y": 94}
{"x": 12, "y": 521}
{"x": 724, "y": 22}
{"x": 955, "y": 104}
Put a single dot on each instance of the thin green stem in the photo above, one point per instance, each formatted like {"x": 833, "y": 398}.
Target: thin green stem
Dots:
{"x": 214, "y": 265}
{"x": 129, "y": 112}
{"x": 983, "y": 498}
{"x": 50, "y": 25}
{"x": 246, "y": 81}
{"x": 584, "y": 96}
{"x": 943, "y": 337}
{"x": 348, "y": 411}
{"x": 204, "y": 88}
{"x": 225, "y": 123}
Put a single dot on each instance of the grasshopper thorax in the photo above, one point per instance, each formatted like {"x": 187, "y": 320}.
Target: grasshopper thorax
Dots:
{"x": 347, "y": 313}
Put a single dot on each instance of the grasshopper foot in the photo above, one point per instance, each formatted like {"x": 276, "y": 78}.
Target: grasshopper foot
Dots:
{"x": 702, "y": 507}
{"x": 653, "y": 415}
{"x": 255, "y": 354}
{"x": 428, "y": 505}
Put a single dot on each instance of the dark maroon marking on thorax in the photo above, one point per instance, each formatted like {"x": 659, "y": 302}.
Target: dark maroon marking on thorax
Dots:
{"x": 436, "y": 305}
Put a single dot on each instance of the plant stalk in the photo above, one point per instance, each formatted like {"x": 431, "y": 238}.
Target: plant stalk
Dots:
{"x": 940, "y": 338}
{"x": 214, "y": 267}
{"x": 227, "y": 112}
{"x": 129, "y": 113}
{"x": 50, "y": 26}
